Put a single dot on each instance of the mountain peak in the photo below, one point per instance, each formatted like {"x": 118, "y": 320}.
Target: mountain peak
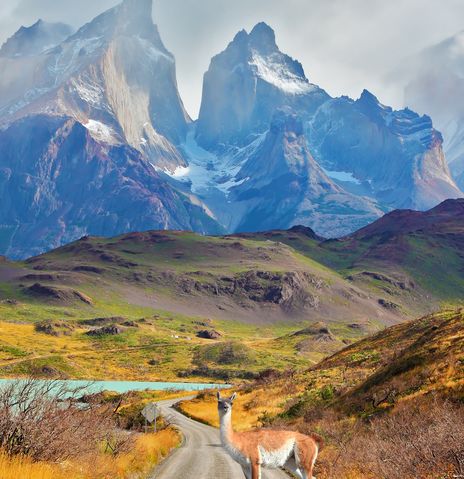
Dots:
{"x": 137, "y": 8}
{"x": 368, "y": 97}
{"x": 35, "y": 39}
{"x": 131, "y": 17}
{"x": 263, "y": 36}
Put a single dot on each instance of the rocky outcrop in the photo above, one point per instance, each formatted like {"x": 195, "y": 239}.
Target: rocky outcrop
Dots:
{"x": 209, "y": 334}
{"x": 112, "y": 330}
{"x": 291, "y": 291}
{"x": 59, "y": 295}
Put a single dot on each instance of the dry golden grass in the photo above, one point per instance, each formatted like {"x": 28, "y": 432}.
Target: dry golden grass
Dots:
{"x": 249, "y": 407}
{"x": 148, "y": 450}
{"x": 23, "y": 468}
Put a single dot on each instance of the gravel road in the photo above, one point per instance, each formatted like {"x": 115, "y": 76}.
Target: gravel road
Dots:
{"x": 201, "y": 456}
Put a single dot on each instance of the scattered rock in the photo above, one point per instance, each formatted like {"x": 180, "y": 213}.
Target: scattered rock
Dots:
{"x": 104, "y": 321}
{"x": 11, "y": 302}
{"x": 54, "y": 328}
{"x": 57, "y": 294}
{"x": 205, "y": 324}
{"x": 112, "y": 330}
{"x": 389, "y": 305}
{"x": 88, "y": 269}
{"x": 209, "y": 334}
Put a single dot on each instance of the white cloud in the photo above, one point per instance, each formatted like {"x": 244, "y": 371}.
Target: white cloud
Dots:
{"x": 344, "y": 45}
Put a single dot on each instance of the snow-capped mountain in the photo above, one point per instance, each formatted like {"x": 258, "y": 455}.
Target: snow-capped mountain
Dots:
{"x": 377, "y": 158}
{"x": 244, "y": 86}
{"x": 435, "y": 85}
{"x": 35, "y": 39}
{"x": 114, "y": 75}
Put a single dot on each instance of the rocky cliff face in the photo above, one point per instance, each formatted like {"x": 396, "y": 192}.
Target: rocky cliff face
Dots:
{"x": 282, "y": 185}
{"x": 434, "y": 82}
{"x": 396, "y": 156}
{"x": 60, "y": 184}
{"x": 114, "y": 76}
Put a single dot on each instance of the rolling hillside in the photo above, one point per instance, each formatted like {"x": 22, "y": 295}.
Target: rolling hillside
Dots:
{"x": 160, "y": 305}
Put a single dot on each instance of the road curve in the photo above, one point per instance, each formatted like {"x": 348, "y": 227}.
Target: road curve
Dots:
{"x": 201, "y": 456}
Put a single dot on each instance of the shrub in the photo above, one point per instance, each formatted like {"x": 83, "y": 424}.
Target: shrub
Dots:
{"x": 43, "y": 420}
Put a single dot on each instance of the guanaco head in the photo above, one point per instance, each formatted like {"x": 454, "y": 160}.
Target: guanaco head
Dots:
{"x": 225, "y": 404}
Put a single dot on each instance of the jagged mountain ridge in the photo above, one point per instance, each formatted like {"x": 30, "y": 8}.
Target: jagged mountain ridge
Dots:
{"x": 394, "y": 157}
{"x": 35, "y": 39}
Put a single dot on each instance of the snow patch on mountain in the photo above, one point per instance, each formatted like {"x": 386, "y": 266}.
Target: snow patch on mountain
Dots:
{"x": 101, "y": 132}
{"x": 207, "y": 171}
{"x": 273, "y": 71}
{"x": 88, "y": 91}
{"x": 342, "y": 176}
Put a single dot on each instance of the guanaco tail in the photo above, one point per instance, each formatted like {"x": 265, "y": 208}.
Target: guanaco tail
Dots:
{"x": 266, "y": 448}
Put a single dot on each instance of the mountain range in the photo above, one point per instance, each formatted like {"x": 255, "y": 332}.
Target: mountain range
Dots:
{"x": 95, "y": 140}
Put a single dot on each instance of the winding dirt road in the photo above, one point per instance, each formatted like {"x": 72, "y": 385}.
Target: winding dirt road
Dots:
{"x": 201, "y": 456}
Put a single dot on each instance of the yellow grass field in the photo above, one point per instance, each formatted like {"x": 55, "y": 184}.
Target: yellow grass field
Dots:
{"x": 148, "y": 451}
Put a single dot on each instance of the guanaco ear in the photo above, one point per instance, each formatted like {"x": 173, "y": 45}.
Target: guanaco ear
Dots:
{"x": 218, "y": 394}
{"x": 232, "y": 398}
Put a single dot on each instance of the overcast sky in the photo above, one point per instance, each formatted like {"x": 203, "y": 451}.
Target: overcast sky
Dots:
{"x": 344, "y": 45}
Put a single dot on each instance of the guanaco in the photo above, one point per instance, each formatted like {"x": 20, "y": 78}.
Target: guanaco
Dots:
{"x": 267, "y": 448}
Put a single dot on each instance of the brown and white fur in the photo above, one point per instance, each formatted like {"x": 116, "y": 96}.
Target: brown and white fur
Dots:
{"x": 267, "y": 448}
